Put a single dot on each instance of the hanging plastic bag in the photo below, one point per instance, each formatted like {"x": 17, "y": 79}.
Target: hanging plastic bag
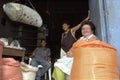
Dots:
{"x": 22, "y": 13}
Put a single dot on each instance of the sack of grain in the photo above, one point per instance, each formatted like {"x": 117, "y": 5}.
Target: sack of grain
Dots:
{"x": 94, "y": 60}
{"x": 11, "y": 69}
{"x": 28, "y": 71}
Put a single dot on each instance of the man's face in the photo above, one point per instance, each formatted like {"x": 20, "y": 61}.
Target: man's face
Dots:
{"x": 65, "y": 27}
{"x": 43, "y": 43}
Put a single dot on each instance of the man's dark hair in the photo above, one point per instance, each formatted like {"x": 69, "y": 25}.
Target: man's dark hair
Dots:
{"x": 66, "y": 22}
{"x": 43, "y": 40}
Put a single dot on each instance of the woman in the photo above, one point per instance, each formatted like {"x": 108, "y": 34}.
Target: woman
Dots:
{"x": 93, "y": 59}
{"x": 63, "y": 65}
{"x": 87, "y": 29}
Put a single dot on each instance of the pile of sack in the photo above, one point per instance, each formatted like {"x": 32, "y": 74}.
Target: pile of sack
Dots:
{"x": 10, "y": 69}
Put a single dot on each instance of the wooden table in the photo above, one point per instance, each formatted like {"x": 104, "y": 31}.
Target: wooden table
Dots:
{"x": 14, "y": 52}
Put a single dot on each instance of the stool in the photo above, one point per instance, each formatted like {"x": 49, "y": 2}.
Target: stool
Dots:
{"x": 40, "y": 66}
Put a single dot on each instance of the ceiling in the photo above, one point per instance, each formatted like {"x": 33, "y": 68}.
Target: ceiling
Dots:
{"x": 57, "y": 11}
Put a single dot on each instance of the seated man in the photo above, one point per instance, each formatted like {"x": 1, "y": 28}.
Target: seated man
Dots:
{"x": 41, "y": 56}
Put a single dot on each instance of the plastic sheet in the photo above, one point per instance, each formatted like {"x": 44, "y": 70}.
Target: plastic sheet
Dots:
{"x": 11, "y": 69}
{"x": 94, "y": 60}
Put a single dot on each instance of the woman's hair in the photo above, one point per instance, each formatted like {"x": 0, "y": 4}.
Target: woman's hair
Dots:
{"x": 87, "y": 22}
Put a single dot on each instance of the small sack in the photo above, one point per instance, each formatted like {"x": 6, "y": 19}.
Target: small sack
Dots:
{"x": 28, "y": 71}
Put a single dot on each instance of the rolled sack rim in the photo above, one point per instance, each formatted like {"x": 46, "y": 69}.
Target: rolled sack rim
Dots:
{"x": 92, "y": 44}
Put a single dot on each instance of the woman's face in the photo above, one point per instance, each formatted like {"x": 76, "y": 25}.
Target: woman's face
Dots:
{"x": 86, "y": 30}
{"x": 65, "y": 27}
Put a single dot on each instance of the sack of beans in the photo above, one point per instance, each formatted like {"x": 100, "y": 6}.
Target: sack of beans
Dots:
{"x": 94, "y": 60}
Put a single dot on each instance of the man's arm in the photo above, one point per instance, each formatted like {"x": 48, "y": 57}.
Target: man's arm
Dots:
{"x": 49, "y": 53}
{"x": 31, "y": 56}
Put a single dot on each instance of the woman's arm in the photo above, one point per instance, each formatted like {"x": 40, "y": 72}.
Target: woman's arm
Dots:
{"x": 74, "y": 29}
{"x": 69, "y": 54}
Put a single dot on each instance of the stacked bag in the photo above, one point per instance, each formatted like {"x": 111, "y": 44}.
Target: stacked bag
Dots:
{"x": 10, "y": 69}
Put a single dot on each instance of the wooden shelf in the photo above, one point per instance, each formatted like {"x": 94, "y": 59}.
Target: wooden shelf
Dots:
{"x": 14, "y": 52}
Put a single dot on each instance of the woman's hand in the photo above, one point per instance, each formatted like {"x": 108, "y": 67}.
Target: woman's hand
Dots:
{"x": 69, "y": 54}
{"x": 88, "y": 17}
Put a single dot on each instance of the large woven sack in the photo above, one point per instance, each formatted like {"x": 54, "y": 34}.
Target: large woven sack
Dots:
{"x": 28, "y": 72}
{"x": 11, "y": 69}
{"x": 22, "y": 13}
{"x": 1, "y": 49}
{"x": 94, "y": 60}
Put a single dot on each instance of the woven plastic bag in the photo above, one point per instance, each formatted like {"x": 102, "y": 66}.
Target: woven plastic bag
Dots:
{"x": 11, "y": 69}
{"x": 1, "y": 50}
{"x": 28, "y": 71}
{"x": 94, "y": 60}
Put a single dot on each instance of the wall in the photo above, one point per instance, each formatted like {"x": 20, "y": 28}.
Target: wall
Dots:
{"x": 97, "y": 16}
{"x": 113, "y": 20}
{"x": 105, "y": 15}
